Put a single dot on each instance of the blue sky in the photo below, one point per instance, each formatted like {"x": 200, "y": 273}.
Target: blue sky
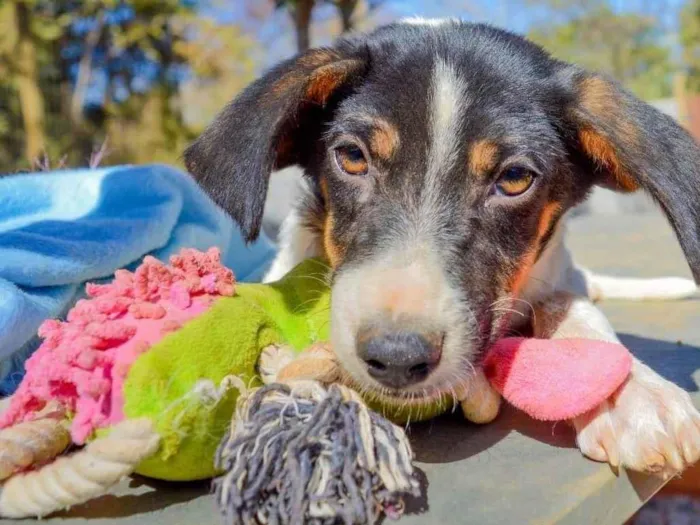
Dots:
{"x": 276, "y": 35}
{"x": 516, "y": 15}
{"x": 505, "y": 14}
{"x": 493, "y": 11}
{"x": 512, "y": 14}
{"x": 280, "y": 43}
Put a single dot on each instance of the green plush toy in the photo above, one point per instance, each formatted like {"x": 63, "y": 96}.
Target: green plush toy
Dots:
{"x": 223, "y": 342}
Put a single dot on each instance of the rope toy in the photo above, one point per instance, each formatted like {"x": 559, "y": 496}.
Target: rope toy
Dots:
{"x": 158, "y": 373}
{"x": 299, "y": 453}
{"x": 78, "y": 478}
{"x": 31, "y": 443}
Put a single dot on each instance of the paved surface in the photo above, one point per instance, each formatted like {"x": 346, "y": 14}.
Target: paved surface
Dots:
{"x": 513, "y": 471}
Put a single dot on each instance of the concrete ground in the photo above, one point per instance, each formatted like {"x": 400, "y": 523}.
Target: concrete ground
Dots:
{"x": 513, "y": 471}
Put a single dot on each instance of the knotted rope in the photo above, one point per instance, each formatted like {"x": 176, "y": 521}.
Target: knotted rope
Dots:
{"x": 298, "y": 453}
{"x": 77, "y": 478}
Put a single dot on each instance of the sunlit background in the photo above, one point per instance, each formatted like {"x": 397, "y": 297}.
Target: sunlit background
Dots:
{"x": 140, "y": 78}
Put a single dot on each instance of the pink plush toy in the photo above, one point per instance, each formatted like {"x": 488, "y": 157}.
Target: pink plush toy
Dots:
{"x": 556, "y": 379}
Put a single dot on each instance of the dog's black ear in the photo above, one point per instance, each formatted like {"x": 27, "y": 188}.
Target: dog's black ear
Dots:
{"x": 267, "y": 127}
{"x": 630, "y": 145}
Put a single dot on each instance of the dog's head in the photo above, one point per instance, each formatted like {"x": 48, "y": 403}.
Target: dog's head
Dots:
{"x": 443, "y": 156}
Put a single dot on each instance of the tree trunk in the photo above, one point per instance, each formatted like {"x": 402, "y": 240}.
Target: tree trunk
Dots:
{"x": 346, "y": 9}
{"x": 84, "y": 77}
{"x": 301, "y": 14}
{"x": 27, "y": 84}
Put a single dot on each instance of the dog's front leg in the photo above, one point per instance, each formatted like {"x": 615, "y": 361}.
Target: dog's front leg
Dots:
{"x": 649, "y": 424}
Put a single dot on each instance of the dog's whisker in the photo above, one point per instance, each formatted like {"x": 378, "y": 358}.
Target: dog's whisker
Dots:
{"x": 312, "y": 300}
{"x": 312, "y": 278}
{"x": 509, "y": 310}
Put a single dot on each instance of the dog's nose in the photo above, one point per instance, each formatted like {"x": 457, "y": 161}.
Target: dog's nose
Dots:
{"x": 399, "y": 359}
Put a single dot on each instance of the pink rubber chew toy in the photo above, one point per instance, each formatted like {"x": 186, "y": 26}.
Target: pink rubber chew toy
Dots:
{"x": 556, "y": 379}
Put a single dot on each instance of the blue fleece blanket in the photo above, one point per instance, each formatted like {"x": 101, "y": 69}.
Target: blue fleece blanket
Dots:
{"x": 60, "y": 229}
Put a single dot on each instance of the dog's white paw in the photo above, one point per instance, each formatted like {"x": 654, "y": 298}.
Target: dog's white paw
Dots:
{"x": 649, "y": 425}
{"x": 273, "y": 359}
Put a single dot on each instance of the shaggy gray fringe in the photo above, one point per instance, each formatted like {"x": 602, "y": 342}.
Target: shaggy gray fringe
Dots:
{"x": 306, "y": 455}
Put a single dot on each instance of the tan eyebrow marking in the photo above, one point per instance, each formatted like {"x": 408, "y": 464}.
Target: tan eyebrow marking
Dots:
{"x": 384, "y": 138}
{"x": 483, "y": 156}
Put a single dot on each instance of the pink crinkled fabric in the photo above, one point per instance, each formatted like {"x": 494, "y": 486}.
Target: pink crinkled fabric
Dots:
{"x": 83, "y": 362}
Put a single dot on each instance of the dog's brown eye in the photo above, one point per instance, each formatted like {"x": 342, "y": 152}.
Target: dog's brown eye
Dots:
{"x": 351, "y": 160}
{"x": 515, "y": 181}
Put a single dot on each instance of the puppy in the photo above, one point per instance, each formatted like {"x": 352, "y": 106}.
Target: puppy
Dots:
{"x": 441, "y": 159}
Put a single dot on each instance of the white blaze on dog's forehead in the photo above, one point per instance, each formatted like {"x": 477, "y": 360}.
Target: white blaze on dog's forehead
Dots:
{"x": 448, "y": 104}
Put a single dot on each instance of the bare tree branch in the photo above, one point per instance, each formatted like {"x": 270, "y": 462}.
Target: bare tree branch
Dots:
{"x": 84, "y": 76}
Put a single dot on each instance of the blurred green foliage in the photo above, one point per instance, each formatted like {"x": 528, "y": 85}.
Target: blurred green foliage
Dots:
{"x": 629, "y": 46}
{"x": 137, "y": 73}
